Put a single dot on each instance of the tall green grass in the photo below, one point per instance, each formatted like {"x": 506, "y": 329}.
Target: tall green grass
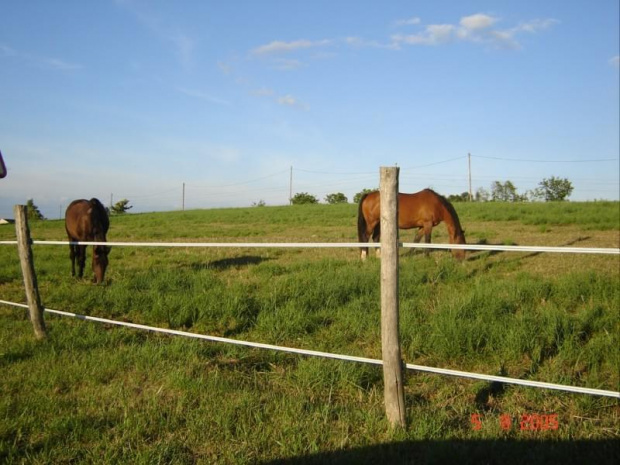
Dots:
{"x": 92, "y": 393}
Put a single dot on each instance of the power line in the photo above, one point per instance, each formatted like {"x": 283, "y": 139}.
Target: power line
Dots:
{"x": 547, "y": 161}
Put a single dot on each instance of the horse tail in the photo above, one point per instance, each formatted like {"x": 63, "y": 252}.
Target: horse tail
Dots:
{"x": 361, "y": 221}
{"x": 362, "y": 226}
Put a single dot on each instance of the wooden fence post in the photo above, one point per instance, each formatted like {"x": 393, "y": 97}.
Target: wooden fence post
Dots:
{"x": 390, "y": 341}
{"x": 30, "y": 278}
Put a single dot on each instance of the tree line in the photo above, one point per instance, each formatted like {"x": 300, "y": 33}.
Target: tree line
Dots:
{"x": 549, "y": 190}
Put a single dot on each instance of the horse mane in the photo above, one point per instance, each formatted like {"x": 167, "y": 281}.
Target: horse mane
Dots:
{"x": 448, "y": 206}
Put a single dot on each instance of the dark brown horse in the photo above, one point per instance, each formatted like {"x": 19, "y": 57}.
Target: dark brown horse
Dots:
{"x": 423, "y": 210}
{"x": 87, "y": 220}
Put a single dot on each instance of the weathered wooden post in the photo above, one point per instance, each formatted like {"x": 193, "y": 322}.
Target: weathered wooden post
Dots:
{"x": 30, "y": 278}
{"x": 390, "y": 340}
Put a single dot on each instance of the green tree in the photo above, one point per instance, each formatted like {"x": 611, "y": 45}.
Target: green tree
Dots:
{"x": 463, "y": 197}
{"x": 357, "y": 197}
{"x": 337, "y": 197}
{"x": 506, "y": 192}
{"x": 33, "y": 211}
{"x": 303, "y": 198}
{"x": 535, "y": 195}
{"x": 482, "y": 195}
{"x": 555, "y": 189}
{"x": 120, "y": 207}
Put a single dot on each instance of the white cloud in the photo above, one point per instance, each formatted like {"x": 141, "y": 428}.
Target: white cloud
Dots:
{"x": 477, "y": 28}
{"x": 477, "y": 21}
{"x": 434, "y": 34}
{"x": 263, "y": 92}
{"x": 536, "y": 25}
{"x": 278, "y": 46}
{"x": 408, "y": 22}
{"x": 358, "y": 42}
{"x": 288, "y": 65}
{"x": 615, "y": 61}
{"x": 290, "y": 101}
{"x": 287, "y": 100}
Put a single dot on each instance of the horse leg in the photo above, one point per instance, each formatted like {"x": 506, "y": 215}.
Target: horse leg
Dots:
{"x": 72, "y": 254}
{"x": 376, "y": 237}
{"x": 81, "y": 259}
{"x": 418, "y": 236}
{"x": 428, "y": 228}
{"x": 363, "y": 237}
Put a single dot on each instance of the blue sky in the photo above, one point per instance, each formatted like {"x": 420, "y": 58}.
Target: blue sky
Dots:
{"x": 132, "y": 99}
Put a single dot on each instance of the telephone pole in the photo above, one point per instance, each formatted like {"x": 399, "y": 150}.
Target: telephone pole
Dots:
{"x": 290, "y": 188}
{"x": 471, "y": 197}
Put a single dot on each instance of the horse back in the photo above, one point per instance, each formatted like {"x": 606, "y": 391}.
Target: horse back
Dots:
{"x": 86, "y": 220}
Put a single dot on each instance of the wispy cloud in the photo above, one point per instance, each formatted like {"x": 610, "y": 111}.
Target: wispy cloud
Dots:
{"x": 615, "y": 61}
{"x": 263, "y": 92}
{"x": 287, "y": 100}
{"x": 38, "y": 61}
{"x": 290, "y": 101}
{"x": 184, "y": 48}
{"x": 288, "y": 64}
{"x": 407, "y": 22}
{"x": 202, "y": 96}
{"x": 7, "y": 51}
{"x": 478, "y": 28}
{"x": 279, "y": 46}
{"x": 182, "y": 44}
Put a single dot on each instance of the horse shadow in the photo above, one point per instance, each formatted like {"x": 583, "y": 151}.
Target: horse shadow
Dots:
{"x": 231, "y": 262}
{"x": 485, "y": 254}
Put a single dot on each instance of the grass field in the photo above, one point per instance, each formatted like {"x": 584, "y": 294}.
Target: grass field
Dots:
{"x": 95, "y": 393}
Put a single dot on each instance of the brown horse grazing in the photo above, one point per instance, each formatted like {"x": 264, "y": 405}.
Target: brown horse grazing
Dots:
{"x": 87, "y": 220}
{"x": 423, "y": 210}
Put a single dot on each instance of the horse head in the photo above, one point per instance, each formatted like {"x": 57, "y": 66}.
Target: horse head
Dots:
{"x": 459, "y": 254}
{"x": 100, "y": 262}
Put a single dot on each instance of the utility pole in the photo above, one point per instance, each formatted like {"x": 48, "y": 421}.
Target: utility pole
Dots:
{"x": 183, "y": 201}
{"x": 471, "y": 196}
{"x": 290, "y": 188}
{"x": 111, "y": 201}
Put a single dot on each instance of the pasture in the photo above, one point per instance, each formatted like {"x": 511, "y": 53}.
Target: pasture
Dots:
{"x": 93, "y": 393}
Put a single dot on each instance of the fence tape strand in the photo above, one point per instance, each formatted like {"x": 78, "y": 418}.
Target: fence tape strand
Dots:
{"x": 315, "y": 353}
